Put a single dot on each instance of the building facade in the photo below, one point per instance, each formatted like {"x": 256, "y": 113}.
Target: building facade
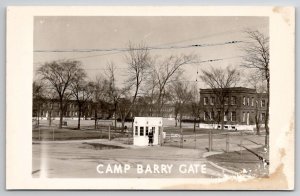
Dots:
{"x": 46, "y": 108}
{"x": 241, "y": 106}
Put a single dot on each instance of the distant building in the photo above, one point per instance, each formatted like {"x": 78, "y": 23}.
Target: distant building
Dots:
{"x": 47, "y": 108}
{"x": 241, "y": 106}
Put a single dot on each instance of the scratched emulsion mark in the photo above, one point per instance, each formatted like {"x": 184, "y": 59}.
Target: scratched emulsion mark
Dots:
{"x": 282, "y": 153}
{"x": 276, "y": 181}
{"x": 285, "y": 13}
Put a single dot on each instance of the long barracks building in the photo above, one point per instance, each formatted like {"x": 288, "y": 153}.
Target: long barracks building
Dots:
{"x": 240, "y": 105}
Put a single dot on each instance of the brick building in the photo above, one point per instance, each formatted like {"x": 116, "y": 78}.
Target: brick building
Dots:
{"x": 46, "y": 108}
{"x": 240, "y": 105}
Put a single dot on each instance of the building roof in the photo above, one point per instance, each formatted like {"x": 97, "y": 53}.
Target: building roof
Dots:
{"x": 232, "y": 89}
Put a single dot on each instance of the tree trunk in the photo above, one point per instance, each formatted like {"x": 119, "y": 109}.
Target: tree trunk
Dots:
{"x": 181, "y": 131}
{"x": 180, "y": 118}
{"x": 257, "y": 127}
{"x": 38, "y": 116}
{"x": 123, "y": 125}
{"x": 61, "y": 113}
{"x": 176, "y": 120}
{"x": 257, "y": 123}
{"x": 95, "y": 117}
{"x": 222, "y": 119}
{"x": 79, "y": 116}
{"x": 50, "y": 118}
{"x": 115, "y": 116}
{"x": 194, "y": 125}
{"x": 267, "y": 113}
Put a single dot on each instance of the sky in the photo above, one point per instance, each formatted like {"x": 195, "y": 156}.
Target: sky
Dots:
{"x": 115, "y": 32}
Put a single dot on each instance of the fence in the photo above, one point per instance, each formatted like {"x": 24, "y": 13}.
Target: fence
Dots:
{"x": 213, "y": 140}
{"x": 103, "y": 130}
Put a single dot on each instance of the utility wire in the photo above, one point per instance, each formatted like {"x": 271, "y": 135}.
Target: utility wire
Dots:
{"x": 149, "y": 48}
{"x": 195, "y": 62}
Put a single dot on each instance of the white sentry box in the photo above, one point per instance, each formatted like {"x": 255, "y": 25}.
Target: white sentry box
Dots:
{"x": 142, "y": 126}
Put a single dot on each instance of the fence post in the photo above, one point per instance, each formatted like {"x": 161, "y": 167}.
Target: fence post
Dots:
{"x": 195, "y": 139}
{"x": 181, "y": 139}
{"x": 53, "y": 133}
{"x": 227, "y": 142}
{"x": 241, "y": 142}
{"x": 109, "y": 132}
{"x": 210, "y": 141}
{"x": 39, "y": 133}
{"x": 128, "y": 138}
{"x": 161, "y": 135}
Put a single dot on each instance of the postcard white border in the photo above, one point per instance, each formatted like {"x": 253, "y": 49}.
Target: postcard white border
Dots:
{"x": 19, "y": 74}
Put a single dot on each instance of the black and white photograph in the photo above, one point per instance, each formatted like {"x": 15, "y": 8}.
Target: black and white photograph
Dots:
{"x": 153, "y": 97}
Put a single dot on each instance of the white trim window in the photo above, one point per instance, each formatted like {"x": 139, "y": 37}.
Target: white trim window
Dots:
{"x": 212, "y": 100}
{"x": 205, "y": 100}
{"x": 233, "y": 100}
{"x": 233, "y": 116}
{"x": 263, "y": 103}
{"x": 206, "y": 116}
{"x": 225, "y": 116}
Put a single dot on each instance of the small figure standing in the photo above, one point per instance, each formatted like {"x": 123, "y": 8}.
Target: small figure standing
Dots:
{"x": 150, "y": 136}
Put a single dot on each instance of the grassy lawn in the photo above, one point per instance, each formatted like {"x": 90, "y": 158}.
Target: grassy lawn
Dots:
{"x": 190, "y": 131}
{"x": 244, "y": 162}
{"x": 46, "y": 134}
{"x": 88, "y": 132}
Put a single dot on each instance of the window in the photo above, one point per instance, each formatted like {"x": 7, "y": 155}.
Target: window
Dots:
{"x": 263, "y": 116}
{"x": 205, "y": 100}
{"x": 233, "y": 100}
{"x": 244, "y": 117}
{"x": 147, "y": 130}
{"x": 233, "y": 116}
{"x": 225, "y": 116}
{"x": 136, "y": 130}
{"x": 141, "y": 131}
{"x": 212, "y": 115}
{"x": 252, "y": 102}
{"x": 212, "y": 100}
{"x": 244, "y": 101}
{"x": 226, "y": 100}
{"x": 206, "y": 116}
{"x": 248, "y": 101}
{"x": 263, "y": 103}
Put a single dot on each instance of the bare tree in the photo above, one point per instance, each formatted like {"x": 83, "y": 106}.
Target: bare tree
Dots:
{"x": 82, "y": 91}
{"x": 38, "y": 98}
{"x": 220, "y": 80}
{"x": 51, "y": 98}
{"x": 59, "y": 75}
{"x": 150, "y": 93}
{"x": 195, "y": 104}
{"x": 257, "y": 57}
{"x": 181, "y": 96}
{"x": 100, "y": 90}
{"x": 165, "y": 71}
{"x": 114, "y": 93}
{"x": 255, "y": 80}
{"x": 138, "y": 61}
